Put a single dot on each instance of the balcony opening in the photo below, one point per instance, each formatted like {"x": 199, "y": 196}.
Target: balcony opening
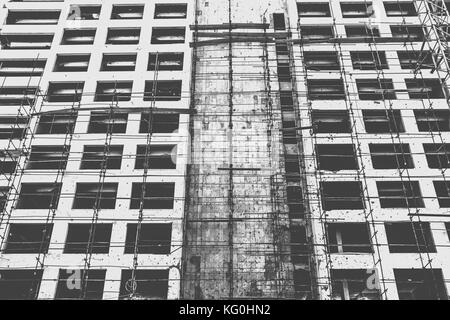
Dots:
{"x": 126, "y": 12}
{"x": 169, "y": 35}
{"x": 23, "y": 17}
{"x": 357, "y": 10}
{"x": 111, "y": 91}
{"x": 48, "y": 158}
{"x": 336, "y": 157}
{"x": 95, "y": 195}
{"x": 95, "y": 282}
{"x": 432, "y": 120}
{"x": 351, "y": 284}
{"x": 424, "y": 88}
{"x": 78, "y": 234}
{"x": 349, "y": 238}
{"x": 166, "y": 61}
{"x": 150, "y": 284}
{"x": 367, "y": 60}
{"x": 26, "y": 41}
{"x": 163, "y": 90}
{"x": 161, "y": 123}
{"x": 346, "y": 195}
{"x": 13, "y": 128}
{"x": 25, "y": 96}
{"x": 420, "y": 284}
{"x": 118, "y": 62}
{"x": 65, "y": 91}
{"x": 22, "y": 67}
{"x": 157, "y": 195}
{"x": 98, "y": 157}
{"x": 154, "y": 238}
{"x": 409, "y": 237}
{"x": 400, "y": 9}
{"x": 332, "y": 89}
{"x": 376, "y": 89}
{"x": 170, "y": 11}
{"x": 78, "y": 36}
{"x": 16, "y": 284}
{"x": 39, "y": 196}
{"x": 84, "y": 12}
{"x": 159, "y": 157}
{"x": 408, "y": 33}
{"x": 400, "y": 194}
{"x": 321, "y": 60}
{"x": 313, "y": 9}
{"x": 331, "y": 121}
{"x": 27, "y": 238}
{"x": 57, "y": 123}
{"x": 437, "y": 155}
{"x": 123, "y": 36}
{"x": 391, "y": 156}
{"x": 72, "y": 63}
{"x": 442, "y": 189}
{"x": 415, "y": 59}
{"x": 383, "y": 121}
{"x": 102, "y": 122}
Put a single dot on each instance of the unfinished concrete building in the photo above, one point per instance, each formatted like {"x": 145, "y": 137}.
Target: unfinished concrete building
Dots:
{"x": 275, "y": 149}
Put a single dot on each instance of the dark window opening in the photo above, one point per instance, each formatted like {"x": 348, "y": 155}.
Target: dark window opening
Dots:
{"x": 78, "y": 236}
{"x": 113, "y": 91}
{"x": 159, "y": 157}
{"x": 102, "y": 122}
{"x": 391, "y": 156}
{"x": 409, "y": 237}
{"x": 25, "y": 96}
{"x": 95, "y": 195}
{"x": 321, "y": 60}
{"x": 341, "y": 195}
{"x": 20, "y": 284}
{"x": 336, "y": 157}
{"x": 26, "y": 41}
{"x": 357, "y": 10}
{"x": 376, "y": 89}
{"x": 22, "y": 67}
{"x": 399, "y": 194}
{"x": 32, "y": 17}
{"x": 150, "y": 284}
{"x": 349, "y": 238}
{"x": 316, "y": 33}
{"x": 362, "y": 32}
{"x": 48, "y": 158}
{"x": 118, "y": 62}
{"x": 351, "y": 284}
{"x": 400, "y": 9}
{"x": 154, "y": 238}
{"x": 420, "y": 284}
{"x": 278, "y": 21}
{"x": 70, "y": 284}
{"x": 163, "y": 90}
{"x": 13, "y": 127}
{"x": 166, "y": 61}
{"x": 157, "y": 195}
{"x": 442, "y": 189}
{"x": 65, "y": 91}
{"x": 161, "y": 123}
{"x": 96, "y": 157}
{"x": 123, "y": 36}
{"x": 424, "y": 88}
{"x": 57, "y": 123}
{"x": 300, "y": 247}
{"x": 78, "y": 36}
{"x": 39, "y": 196}
{"x": 437, "y": 155}
{"x": 415, "y": 59}
{"x": 8, "y": 161}
{"x": 432, "y": 120}
{"x": 408, "y": 33}
{"x": 313, "y": 9}
{"x": 331, "y": 121}
{"x": 84, "y": 12}
{"x": 127, "y": 12}
{"x": 168, "y": 35}
{"x": 170, "y": 11}
{"x": 302, "y": 284}
{"x": 24, "y": 238}
{"x": 367, "y": 60}
{"x": 326, "y": 89}
{"x": 4, "y": 191}
{"x": 72, "y": 63}
{"x": 294, "y": 195}
{"x": 383, "y": 121}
